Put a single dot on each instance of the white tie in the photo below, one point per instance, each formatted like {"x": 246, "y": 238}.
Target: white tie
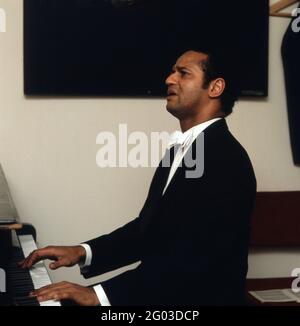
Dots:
{"x": 175, "y": 139}
{"x": 181, "y": 139}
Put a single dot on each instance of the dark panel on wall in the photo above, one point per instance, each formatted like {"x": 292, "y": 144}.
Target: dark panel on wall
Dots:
{"x": 291, "y": 63}
{"x": 127, "y": 48}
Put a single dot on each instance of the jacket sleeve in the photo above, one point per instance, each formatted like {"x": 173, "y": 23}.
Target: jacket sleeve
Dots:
{"x": 114, "y": 250}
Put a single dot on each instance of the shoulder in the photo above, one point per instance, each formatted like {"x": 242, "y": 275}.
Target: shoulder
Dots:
{"x": 219, "y": 141}
{"x": 224, "y": 155}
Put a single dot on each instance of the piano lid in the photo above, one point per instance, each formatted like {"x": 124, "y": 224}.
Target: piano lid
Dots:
{"x": 8, "y": 212}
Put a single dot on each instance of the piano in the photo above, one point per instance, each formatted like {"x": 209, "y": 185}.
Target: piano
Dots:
{"x": 15, "y": 245}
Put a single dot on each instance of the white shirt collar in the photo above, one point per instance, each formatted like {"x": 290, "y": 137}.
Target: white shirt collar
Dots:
{"x": 184, "y": 139}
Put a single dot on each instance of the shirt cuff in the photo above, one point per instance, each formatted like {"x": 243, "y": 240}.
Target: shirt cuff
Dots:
{"x": 101, "y": 295}
{"x": 88, "y": 256}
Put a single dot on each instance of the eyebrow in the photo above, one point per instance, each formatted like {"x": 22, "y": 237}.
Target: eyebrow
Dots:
{"x": 180, "y": 68}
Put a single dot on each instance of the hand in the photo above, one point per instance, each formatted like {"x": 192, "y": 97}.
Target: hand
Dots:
{"x": 63, "y": 256}
{"x": 67, "y": 291}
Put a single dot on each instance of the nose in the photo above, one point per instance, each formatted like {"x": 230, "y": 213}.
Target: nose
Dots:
{"x": 171, "y": 79}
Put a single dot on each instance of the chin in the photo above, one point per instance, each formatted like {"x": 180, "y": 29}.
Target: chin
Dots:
{"x": 173, "y": 110}
{"x": 170, "y": 108}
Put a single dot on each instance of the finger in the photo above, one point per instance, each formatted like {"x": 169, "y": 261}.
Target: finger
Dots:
{"x": 20, "y": 263}
{"x": 53, "y": 295}
{"x": 56, "y": 291}
{"x": 38, "y": 255}
{"x": 30, "y": 260}
{"x": 23, "y": 262}
{"x": 57, "y": 264}
{"x": 39, "y": 291}
{"x": 52, "y": 287}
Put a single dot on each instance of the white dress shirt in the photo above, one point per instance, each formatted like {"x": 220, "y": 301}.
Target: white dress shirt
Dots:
{"x": 184, "y": 140}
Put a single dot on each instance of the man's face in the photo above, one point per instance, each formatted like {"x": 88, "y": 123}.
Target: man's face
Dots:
{"x": 186, "y": 95}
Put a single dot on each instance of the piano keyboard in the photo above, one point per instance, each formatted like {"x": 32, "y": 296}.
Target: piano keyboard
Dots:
{"x": 39, "y": 274}
{"x": 19, "y": 283}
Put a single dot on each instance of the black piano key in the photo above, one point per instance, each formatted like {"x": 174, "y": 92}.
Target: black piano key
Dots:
{"x": 26, "y": 301}
{"x": 19, "y": 281}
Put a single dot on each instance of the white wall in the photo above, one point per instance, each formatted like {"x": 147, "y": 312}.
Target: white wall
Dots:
{"x": 48, "y": 149}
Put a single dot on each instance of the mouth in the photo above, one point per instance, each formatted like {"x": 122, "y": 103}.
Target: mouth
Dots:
{"x": 171, "y": 93}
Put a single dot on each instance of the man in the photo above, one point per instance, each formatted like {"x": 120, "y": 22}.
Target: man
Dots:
{"x": 192, "y": 234}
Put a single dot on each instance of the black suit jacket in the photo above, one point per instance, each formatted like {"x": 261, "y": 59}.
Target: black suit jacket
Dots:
{"x": 192, "y": 241}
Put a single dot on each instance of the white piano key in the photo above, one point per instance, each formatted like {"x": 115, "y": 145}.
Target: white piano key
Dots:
{"x": 38, "y": 272}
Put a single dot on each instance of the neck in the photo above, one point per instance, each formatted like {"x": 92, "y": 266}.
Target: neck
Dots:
{"x": 190, "y": 122}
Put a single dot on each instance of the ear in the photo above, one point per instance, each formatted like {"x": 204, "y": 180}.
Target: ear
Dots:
{"x": 216, "y": 87}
